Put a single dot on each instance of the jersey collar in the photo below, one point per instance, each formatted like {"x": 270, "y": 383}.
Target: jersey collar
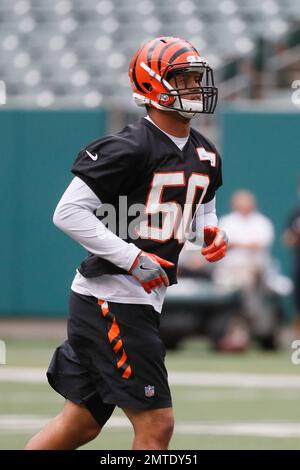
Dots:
{"x": 156, "y": 130}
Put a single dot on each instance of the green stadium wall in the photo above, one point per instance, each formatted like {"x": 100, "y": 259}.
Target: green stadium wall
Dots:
{"x": 39, "y": 261}
{"x": 261, "y": 152}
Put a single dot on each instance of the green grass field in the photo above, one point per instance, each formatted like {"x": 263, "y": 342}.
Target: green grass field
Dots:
{"x": 214, "y": 415}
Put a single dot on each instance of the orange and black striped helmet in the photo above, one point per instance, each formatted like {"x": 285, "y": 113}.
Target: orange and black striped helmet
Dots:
{"x": 161, "y": 59}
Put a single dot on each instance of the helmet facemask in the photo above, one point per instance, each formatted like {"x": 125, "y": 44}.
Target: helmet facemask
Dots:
{"x": 189, "y": 97}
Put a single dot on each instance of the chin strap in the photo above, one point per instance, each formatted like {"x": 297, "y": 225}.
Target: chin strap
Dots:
{"x": 192, "y": 106}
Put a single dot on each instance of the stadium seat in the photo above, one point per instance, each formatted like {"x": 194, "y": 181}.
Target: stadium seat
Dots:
{"x": 58, "y": 37}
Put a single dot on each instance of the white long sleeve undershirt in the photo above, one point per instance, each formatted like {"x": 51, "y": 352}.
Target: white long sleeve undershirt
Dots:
{"x": 205, "y": 215}
{"x": 74, "y": 215}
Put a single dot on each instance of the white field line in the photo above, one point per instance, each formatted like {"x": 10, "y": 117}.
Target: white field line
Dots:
{"x": 22, "y": 374}
{"x": 233, "y": 379}
{"x": 27, "y": 423}
{"x": 207, "y": 379}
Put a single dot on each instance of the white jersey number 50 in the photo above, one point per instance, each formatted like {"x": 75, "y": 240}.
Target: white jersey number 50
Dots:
{"x": 175, "y": 221}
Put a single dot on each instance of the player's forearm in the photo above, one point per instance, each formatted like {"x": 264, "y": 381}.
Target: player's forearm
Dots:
{"x": 74, "y": 216}
{"x": 86, "y": 229}
{"x": 206, "y": 216}
{"x": 211, "y": 219}
{"x": 210, "y": 213}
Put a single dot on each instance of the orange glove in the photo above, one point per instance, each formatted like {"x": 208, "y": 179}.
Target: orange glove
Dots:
{"x": 147, "y": 269}
{"x": 216, "y": 242}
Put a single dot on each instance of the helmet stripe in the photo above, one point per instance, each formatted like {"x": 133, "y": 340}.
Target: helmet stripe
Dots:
{"x": 151, "y": 50}
{"x": 133, "y": 73}
{"x": 179, "y": 53}
{"x": 164, "y": 49}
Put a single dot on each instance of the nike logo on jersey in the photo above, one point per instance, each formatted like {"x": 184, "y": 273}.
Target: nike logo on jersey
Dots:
{"x": 93, "y": 157}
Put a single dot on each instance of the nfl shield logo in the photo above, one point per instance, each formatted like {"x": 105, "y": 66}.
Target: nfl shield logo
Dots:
{"x": 149, "y": 391}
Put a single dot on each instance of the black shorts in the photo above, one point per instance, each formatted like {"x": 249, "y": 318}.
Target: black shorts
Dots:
{"x": 113, "y": 357}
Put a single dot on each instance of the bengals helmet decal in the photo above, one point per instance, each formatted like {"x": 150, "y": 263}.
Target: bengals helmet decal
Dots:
{"x": 161, "y": 59}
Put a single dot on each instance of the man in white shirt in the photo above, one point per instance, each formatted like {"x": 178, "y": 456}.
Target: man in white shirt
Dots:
{"x": 251, "y": 235}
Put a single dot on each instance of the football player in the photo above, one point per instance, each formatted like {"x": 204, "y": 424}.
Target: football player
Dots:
{"x": 113, "y": 355}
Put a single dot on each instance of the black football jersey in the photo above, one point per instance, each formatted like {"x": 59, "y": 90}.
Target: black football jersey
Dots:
{"x": 141, "y": 165}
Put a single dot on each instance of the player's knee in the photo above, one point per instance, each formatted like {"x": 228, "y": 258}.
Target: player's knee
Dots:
{"x": 83, "y": 431}
{"x": 159, "y": 431}
{"x": 164, "y": 429}
{"x": 81, "y": 424}
{"x": 90, "y": 432}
